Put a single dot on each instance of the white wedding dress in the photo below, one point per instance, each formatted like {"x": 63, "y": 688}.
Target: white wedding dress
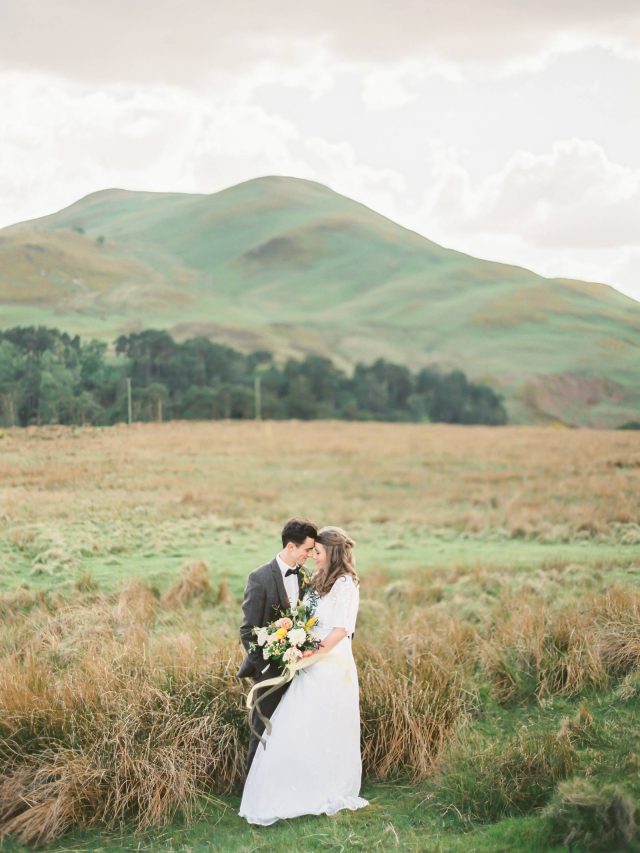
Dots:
{"x": 311, "y": 764}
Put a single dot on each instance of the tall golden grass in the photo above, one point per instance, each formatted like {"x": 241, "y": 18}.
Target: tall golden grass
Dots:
{"x": 415, "y": 692}
{"x": 617, "y": 615}
{"x": 540, "y": 651}
{"x": 121, "y": 710}
{"x": 105, "y": 719}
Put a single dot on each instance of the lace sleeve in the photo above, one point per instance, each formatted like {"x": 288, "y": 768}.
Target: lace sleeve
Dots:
{"x": 344, "y": 597}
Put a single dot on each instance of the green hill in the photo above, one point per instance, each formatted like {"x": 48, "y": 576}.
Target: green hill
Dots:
{"x": 289, "y": 265}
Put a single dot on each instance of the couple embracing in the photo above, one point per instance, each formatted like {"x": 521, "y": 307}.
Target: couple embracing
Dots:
{"x": 309, "y": 762}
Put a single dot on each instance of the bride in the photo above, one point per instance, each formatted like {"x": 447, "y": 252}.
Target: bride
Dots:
{"x": 311, "y": 763}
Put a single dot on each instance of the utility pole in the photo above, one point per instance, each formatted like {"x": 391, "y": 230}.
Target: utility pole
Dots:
{"x": 257, "y": 391}
{"x": 129, "y": 399}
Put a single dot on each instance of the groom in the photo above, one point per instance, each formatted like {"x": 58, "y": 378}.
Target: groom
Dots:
{"x": 273, "y": 587}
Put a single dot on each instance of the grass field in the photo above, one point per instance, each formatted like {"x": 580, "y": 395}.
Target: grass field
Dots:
{"x": 498, "y": 642}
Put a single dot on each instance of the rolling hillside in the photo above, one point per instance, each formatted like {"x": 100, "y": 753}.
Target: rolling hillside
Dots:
{"x": 289, "y": 265}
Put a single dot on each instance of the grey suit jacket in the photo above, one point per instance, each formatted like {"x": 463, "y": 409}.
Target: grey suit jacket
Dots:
{"x": 264, "y": 596}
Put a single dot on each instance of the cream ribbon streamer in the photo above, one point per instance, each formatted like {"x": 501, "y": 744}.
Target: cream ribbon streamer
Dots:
{"x": 253, "y": 702}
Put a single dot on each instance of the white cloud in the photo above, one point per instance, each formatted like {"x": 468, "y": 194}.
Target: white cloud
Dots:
{"x": 379, "y": 187}
{"x": 571, "y": 197}
{"x": 568, "y": 213}
{"x": 64, "y": 140}
{"x": 301, "y": 64}
{"x": 386, "y": 88}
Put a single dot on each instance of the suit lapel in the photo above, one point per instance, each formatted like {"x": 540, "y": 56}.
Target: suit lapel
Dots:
{"x": 282, "y": 593}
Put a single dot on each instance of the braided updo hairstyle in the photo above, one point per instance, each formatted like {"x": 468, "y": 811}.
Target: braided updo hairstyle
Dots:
{"x": 340, "y": 558}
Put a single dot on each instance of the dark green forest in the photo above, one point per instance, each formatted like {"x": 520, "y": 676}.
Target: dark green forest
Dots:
{"x": 51, "y": 377}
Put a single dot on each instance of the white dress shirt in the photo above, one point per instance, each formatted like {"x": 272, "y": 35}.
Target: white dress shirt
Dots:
{"x": 290, "y": 583}
{"x": 290, "y": 586}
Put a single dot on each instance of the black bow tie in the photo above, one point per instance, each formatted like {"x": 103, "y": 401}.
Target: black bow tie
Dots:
{"x": 294, "y": 571}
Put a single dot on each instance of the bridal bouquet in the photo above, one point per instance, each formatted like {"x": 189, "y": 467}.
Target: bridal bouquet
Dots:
{"x": 286, "y": 642}
{"x": 288, "y": 639}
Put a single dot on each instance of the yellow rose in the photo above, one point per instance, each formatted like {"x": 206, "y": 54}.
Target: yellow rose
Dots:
{"x": 281, "y": 633}
{"x": 311, "y": 622}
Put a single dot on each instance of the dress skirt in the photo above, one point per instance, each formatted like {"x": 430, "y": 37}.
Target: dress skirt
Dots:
{"x": 311, "y": 764}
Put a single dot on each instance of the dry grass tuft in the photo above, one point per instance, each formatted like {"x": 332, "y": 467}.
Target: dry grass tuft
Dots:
{"x": 584, "y": 730}
{"x": 617, "y": 616}
{"x": 629, "y": 687}
{"x": 42, "y": 799}
{"x": 414, "y": 696}
{"x": 136, "y": 605}
{"x": 86, "y": 582}
{"x": 538, "y": 651}
{"x": 122, "y": 731}
{"x": 224, "y": 593}
{"x": 535, "y": 653}
{"x": 194, "y": 583}
{"x": 577, "y": 727}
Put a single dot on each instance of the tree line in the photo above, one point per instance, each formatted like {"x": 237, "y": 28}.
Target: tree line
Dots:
{"x": 50, "y": 377}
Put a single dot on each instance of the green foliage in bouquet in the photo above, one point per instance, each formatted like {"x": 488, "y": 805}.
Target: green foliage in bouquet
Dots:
{"x": 289, "y": 637}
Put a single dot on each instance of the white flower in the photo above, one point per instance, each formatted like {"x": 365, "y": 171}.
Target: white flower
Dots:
{"x": 297, "y": 636}
{"x": 266, "y": 653}
{"x": 261, "y": 636}
{"x": 292, "y": 655}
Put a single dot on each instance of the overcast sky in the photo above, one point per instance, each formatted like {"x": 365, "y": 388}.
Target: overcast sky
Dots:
{"x": 509, "y": 129}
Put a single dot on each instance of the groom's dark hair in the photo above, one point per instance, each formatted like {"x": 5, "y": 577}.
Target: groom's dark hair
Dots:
{"x": 296, "y": 530}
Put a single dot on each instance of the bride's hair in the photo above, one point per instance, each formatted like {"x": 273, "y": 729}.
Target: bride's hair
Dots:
{"x": 340, "y": 558}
